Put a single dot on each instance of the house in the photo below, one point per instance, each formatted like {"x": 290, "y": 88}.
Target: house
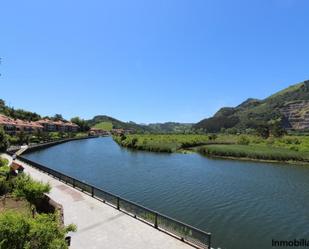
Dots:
{"x": 98, "y": 132}
{"x": 118, "y": 131}
{"x": 11, "y": 126}
{"x": 71, "y": 127}
{"x": 59, "y": 125}
{"x": 8, "y": 124}
{"x": 48, "y": 125}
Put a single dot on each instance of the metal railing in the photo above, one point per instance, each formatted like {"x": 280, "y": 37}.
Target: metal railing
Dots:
{"x": 182, "y": 231}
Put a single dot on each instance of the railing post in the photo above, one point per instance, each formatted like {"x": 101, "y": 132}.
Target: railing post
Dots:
{"x": 156, "y": 221}
{"x": 118, "y": 206}
{"x": 209, "y": 244}
{"x": 92, "y": 191}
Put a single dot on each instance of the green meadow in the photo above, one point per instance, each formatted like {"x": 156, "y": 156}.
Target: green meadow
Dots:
{"x": 286, "y": 148}
{"x": 107, "y": 126}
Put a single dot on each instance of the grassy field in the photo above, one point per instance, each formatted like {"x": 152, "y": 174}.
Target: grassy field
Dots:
{"x": 257, "y": 152}
{"x": 287, "y": 148}
{"x": 161, "y": 143}
{"x": 104, "y": 126}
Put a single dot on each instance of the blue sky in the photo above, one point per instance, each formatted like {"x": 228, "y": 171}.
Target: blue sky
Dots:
{"x": 149, "y": 61}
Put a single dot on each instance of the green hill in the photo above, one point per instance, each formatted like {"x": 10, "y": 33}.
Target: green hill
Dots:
{"x": 289, "y": 106}
{"x": 104, "y": 126}
{"x": 170, "y": 127}
{"x": 106, "y": 121}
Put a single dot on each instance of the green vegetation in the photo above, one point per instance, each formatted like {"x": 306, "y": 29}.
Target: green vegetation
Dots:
{"x": 117, "y": 124}
{"x": 254, "y": 113}
{"x": 171, "y": 127}
{"x": 3, "y": 162}
{"x": 285, "y": 148}
{"x": 20, "y": 226}
{"x": 25, "y": 138}
{"x": 259, "y": 152}
{"x": 31, "y": 190}
{"x": 107, "y": 126}
{"x": 4, "y": 142}
{"x": 20, "y": 231}
{"x": 18, "y": 113}
{"x": 162, "y": 143}
{"x": 83, "y": 124}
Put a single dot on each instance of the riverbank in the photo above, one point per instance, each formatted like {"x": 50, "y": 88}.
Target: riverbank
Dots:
{"x": 287, "y": 149}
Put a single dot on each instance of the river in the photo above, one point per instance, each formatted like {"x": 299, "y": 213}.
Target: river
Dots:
{"x": 243, "y": 204}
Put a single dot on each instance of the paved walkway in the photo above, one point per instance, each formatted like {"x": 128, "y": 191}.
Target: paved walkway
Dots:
{"x": 100, "y": 226}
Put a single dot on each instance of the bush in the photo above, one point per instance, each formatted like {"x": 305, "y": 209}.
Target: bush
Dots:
{"x": 291, "y": 140}
{"x": 30, "y": 189}
{"x": 4, "y": 142}
{"x": 3, "y": 162}
{"x": 4, "y": 186}
{"x": 14, "y": 228}
{"x": 243, "y": 140}
{"x": 212, "y": 137}
{"x": 270, "y": 141}
{"x": 18, "y": 231}
{"x": 13, "y": 140}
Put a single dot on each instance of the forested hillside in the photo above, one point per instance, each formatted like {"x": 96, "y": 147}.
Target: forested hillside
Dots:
{"x": 289, "y": 107}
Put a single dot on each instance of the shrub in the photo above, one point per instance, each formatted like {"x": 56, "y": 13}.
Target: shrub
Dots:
{"x": 291, "y": 140}
{"x": 270, "y": 141}
{"x": 3, "y": 162}
{"x": 4, "y": 186}
{"x": 243, "y": 140}
{"x": 14, "y": 228}
{"x": 212, "y": 137}
{"x": 18, "y": 231}
{"x": 4, "y": 142}
{"x": 13, "y": 140}
{"x": 134, "y": 141}
{"x": 294, "y": 148}
{"x": 30, "y": 189}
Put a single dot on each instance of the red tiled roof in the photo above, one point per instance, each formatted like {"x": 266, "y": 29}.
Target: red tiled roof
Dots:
{"x": 4, "y": 120}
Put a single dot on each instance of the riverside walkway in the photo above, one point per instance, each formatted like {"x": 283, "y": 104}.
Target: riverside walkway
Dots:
{"x": 99, "y": 225}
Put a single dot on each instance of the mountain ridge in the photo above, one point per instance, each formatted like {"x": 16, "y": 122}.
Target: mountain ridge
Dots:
{"x": 289, "y": 106}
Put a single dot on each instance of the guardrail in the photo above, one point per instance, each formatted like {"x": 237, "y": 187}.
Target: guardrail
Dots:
{"x": 182, "y": 231}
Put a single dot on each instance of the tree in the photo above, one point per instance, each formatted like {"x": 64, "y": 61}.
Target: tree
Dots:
{"x": 23, "y": 138}
{"x": 57, "y": 117}
{"x": 83, "y": 124}
{"x": 4, "y": 142}
{"x": 263, "y": 131}
{"x": 276, "y": 129}
{"x": 212, "y": 137}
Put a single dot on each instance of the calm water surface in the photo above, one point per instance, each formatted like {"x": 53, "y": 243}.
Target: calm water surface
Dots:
{"x": 243, "y": 204}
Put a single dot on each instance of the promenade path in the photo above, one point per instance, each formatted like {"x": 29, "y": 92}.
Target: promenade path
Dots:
{"x": 100, "y": 226}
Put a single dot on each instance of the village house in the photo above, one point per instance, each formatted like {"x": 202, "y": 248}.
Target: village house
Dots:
{"x": 50, "y": 125}
{"x": 117, "y": 131}
{"x": 98, "y": 132}
{"x": 11, "y": 126}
